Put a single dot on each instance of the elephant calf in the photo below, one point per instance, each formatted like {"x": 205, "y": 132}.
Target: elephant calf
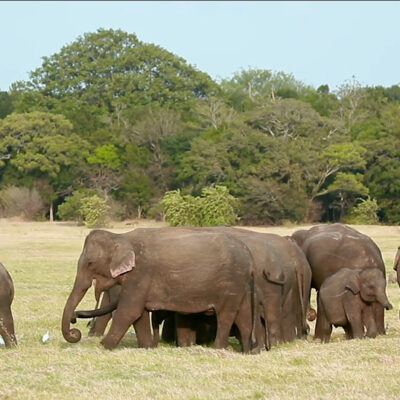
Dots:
{"x": 346, "y": 299}
{"x": 6, "y": 298}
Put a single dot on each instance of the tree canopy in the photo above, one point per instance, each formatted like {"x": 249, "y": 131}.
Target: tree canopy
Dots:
{"x": 129, "y": 121}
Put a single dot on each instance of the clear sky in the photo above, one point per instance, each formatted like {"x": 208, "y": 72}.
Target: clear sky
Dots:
{"x": 318, "y": 42}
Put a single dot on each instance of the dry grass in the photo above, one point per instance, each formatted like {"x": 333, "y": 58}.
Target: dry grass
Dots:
{"x": 42, "y": 260}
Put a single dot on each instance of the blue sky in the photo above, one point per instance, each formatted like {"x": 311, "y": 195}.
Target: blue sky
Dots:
{"x": 318, "y": 42}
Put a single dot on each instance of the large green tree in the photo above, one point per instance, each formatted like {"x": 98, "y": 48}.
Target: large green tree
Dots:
{"x": 40, "y": 149}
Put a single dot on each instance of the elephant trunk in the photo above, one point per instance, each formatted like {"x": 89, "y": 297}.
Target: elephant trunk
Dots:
{"x": 77, "y": 294}
{"x": 382, "y": 299}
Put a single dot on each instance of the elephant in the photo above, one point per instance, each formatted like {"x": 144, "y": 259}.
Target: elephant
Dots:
{"x": 282, "y": 279}
{"x": 6, "y": 298}
{"x": 397, "y": 265}
{"x": 346, "y": 299}
{"x": 329, "y": 248}
{"x": 168, "y": 269}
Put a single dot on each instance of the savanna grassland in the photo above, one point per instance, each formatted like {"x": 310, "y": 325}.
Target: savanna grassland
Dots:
{"x": 42, "y": 259}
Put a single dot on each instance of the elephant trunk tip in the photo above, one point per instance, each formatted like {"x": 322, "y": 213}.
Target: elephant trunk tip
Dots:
{"x": 388, "y": 306}
{"x": 73, "y": 336}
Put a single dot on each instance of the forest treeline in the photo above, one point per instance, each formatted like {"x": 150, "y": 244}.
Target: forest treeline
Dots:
{"x": 130, "y": 121}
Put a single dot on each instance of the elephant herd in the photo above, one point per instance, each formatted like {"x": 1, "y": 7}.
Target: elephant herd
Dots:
{"x": 204, "y": 285}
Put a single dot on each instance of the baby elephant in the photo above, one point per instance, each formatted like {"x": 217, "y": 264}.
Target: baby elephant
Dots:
{"x": 347, "y": 298}
{"x": 6, "y": 298}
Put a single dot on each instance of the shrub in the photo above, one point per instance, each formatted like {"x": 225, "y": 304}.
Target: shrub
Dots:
{"x": 215, "y": 206}
{"x": 181, "y": 210}
{"x": 366, "y": 213}
{"x": 21, "y": 202}
{"x": 94, "y": 211}
{"x": 69, "y": 210}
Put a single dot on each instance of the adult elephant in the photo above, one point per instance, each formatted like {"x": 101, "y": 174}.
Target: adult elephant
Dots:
{"x": 6, "y": 298}
{"x": 168, "y": 269}
{"x": 329, "y": 248}
{"x": 282, "y": 279}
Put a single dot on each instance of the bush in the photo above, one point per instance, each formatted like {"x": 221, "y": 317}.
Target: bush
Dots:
{"x": 215, "y": 206}
{"x": 21, "y": 202}
{"x": 181, "y": 210}
{"x": 95, "y": 211}
{"x": 365, "y": 213}
{"x": 69, "y": 210}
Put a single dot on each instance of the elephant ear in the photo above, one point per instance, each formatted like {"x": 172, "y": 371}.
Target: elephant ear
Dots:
{"x": 353, "y": 284}
{"x": 122, "y": 262}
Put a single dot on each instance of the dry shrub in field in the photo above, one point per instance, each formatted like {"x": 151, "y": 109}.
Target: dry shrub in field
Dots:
{"x": 21, "y": 202}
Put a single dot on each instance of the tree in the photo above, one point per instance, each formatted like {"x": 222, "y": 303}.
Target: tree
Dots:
{"x": 107, "y": 77}
{"x": 43, "y": 146}
{"x": 6, "y": 106}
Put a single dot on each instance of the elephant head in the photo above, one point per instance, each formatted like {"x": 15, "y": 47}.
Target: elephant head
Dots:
{"x": 396, "y": 265}
{"x": 370, "y": 284}
{"x": 104, "y": 258}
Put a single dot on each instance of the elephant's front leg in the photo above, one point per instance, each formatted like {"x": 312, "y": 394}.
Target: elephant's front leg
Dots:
{"x": 354, "y": 316}
{"x": 323, "y": 325}
{"x": 379, "y": 315}
{"x": 130, "y": 309}
{"x": 369, "y": 321}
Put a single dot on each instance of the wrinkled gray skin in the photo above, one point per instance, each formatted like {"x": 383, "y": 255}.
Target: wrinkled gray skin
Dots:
{"x": 329, "y": 248}
{"x": 346, "y": 299}
{"x": 171, "y": 269}
{"x": 6, "y": 298}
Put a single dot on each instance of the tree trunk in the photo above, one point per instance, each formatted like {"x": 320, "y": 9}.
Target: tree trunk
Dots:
{"x": 51, "y": 212}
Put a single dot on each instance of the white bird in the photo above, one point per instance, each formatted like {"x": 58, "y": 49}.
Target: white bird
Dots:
{"x": 2, "y": 341}
{"x": 46, "y": 337}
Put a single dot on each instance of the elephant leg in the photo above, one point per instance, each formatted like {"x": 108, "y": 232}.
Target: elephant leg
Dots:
{"x": 206, "y": 329}
{"x": 289, "y": 319}
{"x": 369, "y": 322}
{"x": 7, "y": 327}
{"x": 348, "y": 332}
{"x": 324, "y": 326}
{"x": 225, "y": 319}
{"x": 273, "y": 317}
{"x": 318, "y": 334}
{"x": 143, "y": 331}
{"x": 157, "y": 318}
{"x": 168, "y": 333}
{"x": 244, "y": 323}
{"x": 185, "y": 328}
{"x": 379, "y": 314}
{"x": 98, "y": 325}
{"x": 354, "y": 316}
{"x": 130, "y": 309}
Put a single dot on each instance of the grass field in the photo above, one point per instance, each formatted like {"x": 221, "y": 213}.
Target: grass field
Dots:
{"x": 42, "y": 257}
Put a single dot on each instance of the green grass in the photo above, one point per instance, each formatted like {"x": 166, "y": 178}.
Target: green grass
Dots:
{"x": 42, "y": 259}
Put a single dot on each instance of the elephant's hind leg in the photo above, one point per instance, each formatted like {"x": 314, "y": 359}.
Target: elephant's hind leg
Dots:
{"x": 244, "y": 322}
